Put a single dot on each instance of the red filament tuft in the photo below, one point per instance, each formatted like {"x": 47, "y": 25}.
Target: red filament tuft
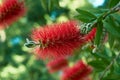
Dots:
{"x": 57, "y": 64}
{"x": 78, "y": 72}
{"x": 90, "y": 36}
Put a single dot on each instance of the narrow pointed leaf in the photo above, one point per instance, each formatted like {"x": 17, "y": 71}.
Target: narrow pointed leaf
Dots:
{"x": 111, "y": 29}
{"x": 111, "y": 40}
{"x": 85, "y": 16}
{"x": 83, "y": 12}
{"x": 98, "y": 33}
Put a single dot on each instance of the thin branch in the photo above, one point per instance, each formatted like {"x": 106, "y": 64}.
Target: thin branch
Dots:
{"x": 109, "y": 66}
{"x": 112, "y": 10}
{"x": 102, "y": 17}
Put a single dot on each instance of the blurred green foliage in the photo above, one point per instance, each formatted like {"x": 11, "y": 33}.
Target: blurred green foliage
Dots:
{"x": 18, "y": 62}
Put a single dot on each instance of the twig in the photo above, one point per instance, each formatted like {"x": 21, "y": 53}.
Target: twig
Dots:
{"x": 102, "y": 17}
{"x": 109, "y": 66}
{"x": 112, "y": 10}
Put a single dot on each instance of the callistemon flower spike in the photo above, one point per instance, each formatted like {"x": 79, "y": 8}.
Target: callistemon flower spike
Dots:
{"x": 79, "y": 71}
{"x": 57, "y": 40}
{"x": 57, "y": 64}
{"x": 10, "y": 11}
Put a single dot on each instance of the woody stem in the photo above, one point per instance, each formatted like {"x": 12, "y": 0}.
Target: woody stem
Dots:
{"x": 109, "y": 66}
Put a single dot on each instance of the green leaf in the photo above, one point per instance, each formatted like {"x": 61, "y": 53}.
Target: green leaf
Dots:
{"x": 111, "y": 29}
{"x": 85, "y": 16}
{"x": 112, "y": 3}
{"x": 109, "y": 53}
{"x": 105, "y": 55}
{"x": 111, "y": 40}
{"x": 102, "y": 56}
{"x": 112, "y": 77}
{"x": 53, "y": 4}
{"x": 43, "y": 4}
{"x": 88, "y": 14}
{"x": 97, "y": 65}
{"x": 114, "y": 23}
{"x": 98, "y": 33}
{"x": 116, "y": 68}
{"x": 116, "y": 17}
{"x": 49, "y": 5}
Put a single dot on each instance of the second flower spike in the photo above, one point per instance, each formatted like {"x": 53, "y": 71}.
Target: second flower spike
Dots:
{"x": 10, "y": 11}
{"x": 56, "y": 65}
{"x": 80, "y": 71}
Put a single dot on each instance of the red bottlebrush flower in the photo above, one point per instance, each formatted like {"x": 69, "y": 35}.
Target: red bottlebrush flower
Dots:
{"x": 90, "y": 36}
{"x": 57, "y": 64}
{"x": 57, "y": 40}
{"x": 10, "y": 11}
{"x": 78, "y": 72}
